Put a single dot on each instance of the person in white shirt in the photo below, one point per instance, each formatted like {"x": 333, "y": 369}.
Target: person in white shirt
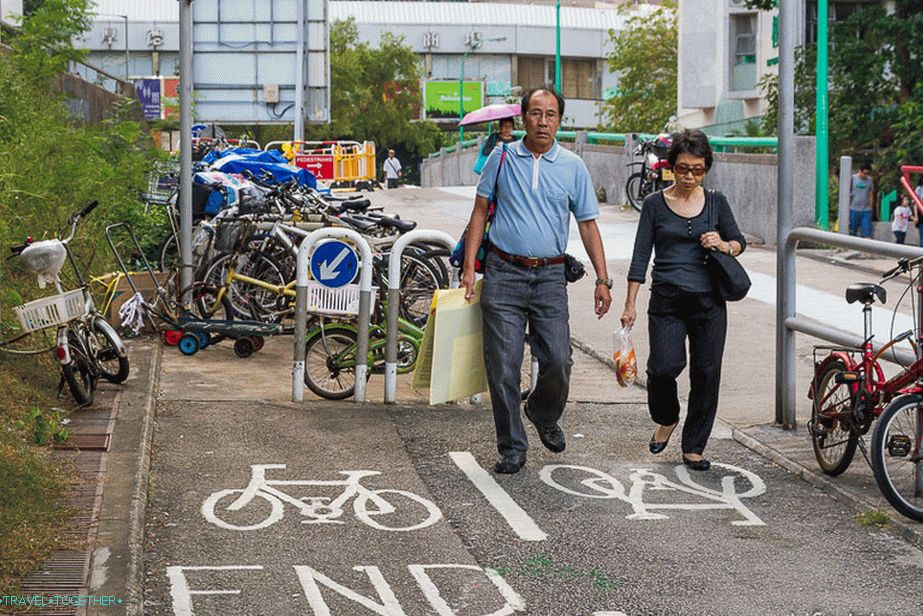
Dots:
{"x": 392, "y": 169}
{"x": 901, "y": 223}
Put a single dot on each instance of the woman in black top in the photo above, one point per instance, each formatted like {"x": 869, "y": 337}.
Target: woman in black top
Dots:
{"x": 675, "y": 224}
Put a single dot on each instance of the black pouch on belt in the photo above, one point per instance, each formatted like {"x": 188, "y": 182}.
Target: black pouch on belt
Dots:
{"x": 573, "y": 269}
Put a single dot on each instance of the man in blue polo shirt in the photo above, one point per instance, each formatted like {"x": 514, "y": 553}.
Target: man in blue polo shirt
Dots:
{"x": 539, "y": 185}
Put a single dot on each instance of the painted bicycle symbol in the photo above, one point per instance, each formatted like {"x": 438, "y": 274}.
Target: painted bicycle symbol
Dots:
{"x": 376, "y": 508}
{"x": 591, "y": 483}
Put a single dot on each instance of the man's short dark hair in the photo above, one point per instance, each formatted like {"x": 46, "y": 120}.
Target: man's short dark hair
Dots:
{"x": 865, "y": 167}
{"x": 524, "y": 103}
{"x": 504, "y": 120}
{"x": 693, "y": 142}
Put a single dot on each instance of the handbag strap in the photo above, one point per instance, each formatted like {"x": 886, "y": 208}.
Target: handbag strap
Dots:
{"x": 496, "y": 197}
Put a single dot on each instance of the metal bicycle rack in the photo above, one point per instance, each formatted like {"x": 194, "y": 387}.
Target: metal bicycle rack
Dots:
{"x": 394, "y": 284}
{"x": 301, "y": 306}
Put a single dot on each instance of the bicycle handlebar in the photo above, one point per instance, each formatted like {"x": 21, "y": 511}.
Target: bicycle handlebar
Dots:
{"x": 903, "y": 265}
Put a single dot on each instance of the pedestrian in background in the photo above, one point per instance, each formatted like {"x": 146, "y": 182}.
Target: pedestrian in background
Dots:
{"x": 684, "y": 304}
{"x": 392, "y": 169}
{"x": 861, "y": 200}
{"x": 902, "y": 215}
{"x": 538, "y": 185}
{"x": 504, "y": 134}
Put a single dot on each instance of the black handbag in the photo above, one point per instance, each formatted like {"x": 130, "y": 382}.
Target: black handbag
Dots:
{"x": 728, "y": 276}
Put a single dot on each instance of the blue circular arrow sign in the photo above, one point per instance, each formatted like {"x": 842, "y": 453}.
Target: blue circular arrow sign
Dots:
{"x": 334, "y": 264}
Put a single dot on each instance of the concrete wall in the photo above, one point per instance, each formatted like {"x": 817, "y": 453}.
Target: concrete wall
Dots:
{"x": 749, "y": 181}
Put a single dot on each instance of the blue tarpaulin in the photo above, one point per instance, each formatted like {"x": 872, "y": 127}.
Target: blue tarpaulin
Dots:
{"x": 238, "y": 160}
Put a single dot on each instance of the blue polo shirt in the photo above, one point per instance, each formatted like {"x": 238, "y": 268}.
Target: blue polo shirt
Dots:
{"x": 536, "y": 198}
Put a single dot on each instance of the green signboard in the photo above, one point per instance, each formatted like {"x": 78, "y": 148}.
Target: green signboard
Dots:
{"x": 440, "y": 99}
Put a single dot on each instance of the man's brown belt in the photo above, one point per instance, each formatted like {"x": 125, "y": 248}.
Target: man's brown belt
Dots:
{"x": 527, "y": 261}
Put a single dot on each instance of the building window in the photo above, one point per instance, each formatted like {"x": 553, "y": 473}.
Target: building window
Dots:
{"x": 742, "y": 44}
{"x": 531, "y": 72}
{"x": 838, "y": 11}
{"x": 580, "y": 78}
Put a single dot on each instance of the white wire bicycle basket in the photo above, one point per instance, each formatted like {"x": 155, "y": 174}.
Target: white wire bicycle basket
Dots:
{"x": 51, "y": 311}
{"x": 340, "y": 302}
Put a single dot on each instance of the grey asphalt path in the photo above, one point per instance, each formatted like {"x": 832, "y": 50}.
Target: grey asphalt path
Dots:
{"x": 590, "y": 547}
{"x": 604, "y": 528}
{"x": 747, "y": 401}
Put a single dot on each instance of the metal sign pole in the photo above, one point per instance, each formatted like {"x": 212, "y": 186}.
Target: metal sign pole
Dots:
{"x": 299, "y": 74}
{"x": 785, "y": 253}
{"x": 185, "y": 150}
{"x": 394, "y": 299}
{"x": 301, "y": 302}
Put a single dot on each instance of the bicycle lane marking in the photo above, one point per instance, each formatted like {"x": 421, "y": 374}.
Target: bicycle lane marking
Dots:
{"x": 368, "y": 504}
{"x": 517, "y": 518}
{"x": 311, "y": 579}
{"x": 601, "y": 485}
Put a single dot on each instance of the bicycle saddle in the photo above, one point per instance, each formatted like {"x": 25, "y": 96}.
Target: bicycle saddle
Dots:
{"x": 357, "y": 205}
{"x": 395, "y": 223}
{"x": 865, "y": 292}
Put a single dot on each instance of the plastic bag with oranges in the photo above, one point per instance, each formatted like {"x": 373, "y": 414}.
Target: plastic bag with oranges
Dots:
{"x": 626, "y": 364}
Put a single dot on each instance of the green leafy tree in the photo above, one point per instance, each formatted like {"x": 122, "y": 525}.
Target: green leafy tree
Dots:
{"x": 644, "y": 56}
{"x": 43, "y": 44}
{"x": 374, "y": 95}
{"x": 875, "y": 93}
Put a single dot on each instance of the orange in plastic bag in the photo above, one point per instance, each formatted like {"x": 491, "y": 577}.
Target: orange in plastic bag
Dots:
{"x": 626, "y": 365}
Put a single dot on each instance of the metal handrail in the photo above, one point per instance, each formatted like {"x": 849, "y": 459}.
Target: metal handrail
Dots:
{"x": 786, "y": 314}
{"x": 597, "y": 137}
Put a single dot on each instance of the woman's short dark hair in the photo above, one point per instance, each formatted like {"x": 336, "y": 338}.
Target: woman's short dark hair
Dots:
{"x": 693, "y": 142}
{"x": 504, "y": 120}
{"x": 524, "y": 103}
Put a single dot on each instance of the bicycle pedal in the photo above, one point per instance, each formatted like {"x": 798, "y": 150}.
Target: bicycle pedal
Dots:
{"x": 847, "y": 377}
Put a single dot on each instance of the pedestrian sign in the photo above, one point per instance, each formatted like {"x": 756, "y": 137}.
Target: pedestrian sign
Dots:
{"x": 334, "y": 264}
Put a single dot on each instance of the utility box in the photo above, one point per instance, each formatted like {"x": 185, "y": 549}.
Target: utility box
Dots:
{"x": 270, "y": 93}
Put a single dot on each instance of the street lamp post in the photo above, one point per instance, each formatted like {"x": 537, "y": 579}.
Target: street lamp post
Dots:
{"x": 557, "y": 46}
{"x": 471, "y": 44}
{"x": 125, "y": 19}
{"x": 461, "y": 89}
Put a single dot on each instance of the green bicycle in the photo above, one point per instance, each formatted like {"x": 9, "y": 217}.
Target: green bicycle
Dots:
{"x": 330, "y": 353}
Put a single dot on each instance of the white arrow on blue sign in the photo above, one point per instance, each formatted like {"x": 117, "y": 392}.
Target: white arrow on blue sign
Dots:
{"x": 334, "y": 264}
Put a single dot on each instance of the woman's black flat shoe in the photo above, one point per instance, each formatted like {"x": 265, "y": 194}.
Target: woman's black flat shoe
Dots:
{"x": 697, "y": 465}
{"x": 656, "y": 446}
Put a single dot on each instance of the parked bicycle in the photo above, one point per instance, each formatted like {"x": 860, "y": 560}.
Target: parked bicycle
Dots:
{"x": 849, "y": 390}
{"x": 87, "y": 347}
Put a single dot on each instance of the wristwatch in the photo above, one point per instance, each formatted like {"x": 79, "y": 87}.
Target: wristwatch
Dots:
{"x": 605, "y": 281}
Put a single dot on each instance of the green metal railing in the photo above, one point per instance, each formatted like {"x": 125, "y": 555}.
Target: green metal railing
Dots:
{"x": 720, "y": 144}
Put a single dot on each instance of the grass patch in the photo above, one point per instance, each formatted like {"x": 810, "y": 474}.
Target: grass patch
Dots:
{"x": 874, "y": 518}
{"x": 32, "y": 511}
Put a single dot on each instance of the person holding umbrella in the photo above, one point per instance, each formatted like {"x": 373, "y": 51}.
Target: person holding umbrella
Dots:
{"x": 504, "y": 112}
{"x": 503, "y": 135}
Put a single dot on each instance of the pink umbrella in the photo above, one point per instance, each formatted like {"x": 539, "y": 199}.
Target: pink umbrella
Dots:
{"x": 497, "y": 111}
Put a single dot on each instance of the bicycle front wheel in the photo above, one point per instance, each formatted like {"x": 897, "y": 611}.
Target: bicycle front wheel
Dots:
{"x": 832, "y": 434}
{"x": 330, "y": 362}
{"x": 897, "y": 455}
{"x": 111, "y": 366}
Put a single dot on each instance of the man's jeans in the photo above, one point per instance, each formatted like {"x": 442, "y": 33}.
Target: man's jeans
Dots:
{"x": 513, "y": 296}
{"x": 860, "y": 220}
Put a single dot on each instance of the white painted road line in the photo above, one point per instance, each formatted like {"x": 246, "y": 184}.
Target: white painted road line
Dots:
{"x": 523, "y": 525}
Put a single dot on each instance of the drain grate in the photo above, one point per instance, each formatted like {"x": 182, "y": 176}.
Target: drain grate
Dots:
{"x": 86, "y": 442}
